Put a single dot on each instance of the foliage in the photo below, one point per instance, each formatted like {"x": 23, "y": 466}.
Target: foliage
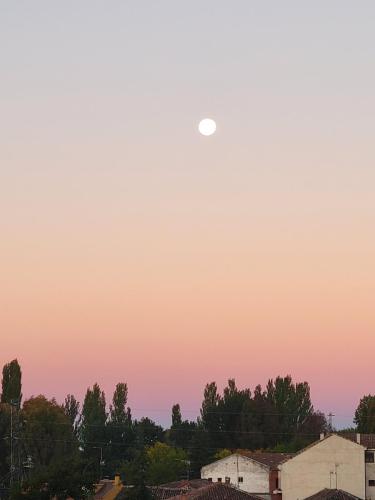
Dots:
{"x": 282, "y": 413}
{"x": 134, "y": 473}
{"x": 55, "y": 468}
{"x": 66, "y": 477}
{"x": 292, "y": 404}
{"x": 155, "y": 465}
{"x": 47, "y": 432}
{"x": 222, "y": 454}
{"x": 4, "y": 440}
{"x": 120, "y": 432}
{"x": 71, "y": 410}
{"x": 279, "y": 417}
{"x": 181, "y": 431}
{"x": 166, "y": 464}
{"x": 233, "y": 407}
{"x": 210, "y": 418}
{"x": 12, "y": 383}
{"x": 147, "y": 433}
{"x": 92, "y": 431}
{"x": 201, "y": 450}
{"x": 118, "y": 411}
{"x": 365, "y": 415}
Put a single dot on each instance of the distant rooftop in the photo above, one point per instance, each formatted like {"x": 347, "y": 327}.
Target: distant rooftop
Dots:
{"x": 366, "y": 440}
{"x": 271, "y": 460}
{"x": 332, "y": 495}
{"x": 207, "y": 491}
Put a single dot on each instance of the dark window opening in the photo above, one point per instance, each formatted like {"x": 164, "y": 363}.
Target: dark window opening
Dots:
{"x": 227, "y": 480}
{"x": 219, "y": 479}
{"x": 240, "y": 479}
{"x": 369, "y": 457}
{"x": 371, "y": 482}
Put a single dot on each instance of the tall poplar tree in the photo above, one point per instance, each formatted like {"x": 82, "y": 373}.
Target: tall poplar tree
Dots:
{"x": 71, "y": 410}
{"x": 120, "y": 432}
{"x": 92, "y": 429}
{"x": 12, "y": 383}
{"x": 365, "y": 415}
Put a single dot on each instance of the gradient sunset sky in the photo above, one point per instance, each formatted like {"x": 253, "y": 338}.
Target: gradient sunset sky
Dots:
{"x": 134, "y": 249}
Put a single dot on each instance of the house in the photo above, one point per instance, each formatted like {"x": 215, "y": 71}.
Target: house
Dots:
{"x": 327, "y": 494}
{"x": 368, "y": 441}
{"x": 205, "y": 490}
{"x": 173, "y": 489}
{"x": 334, "y": 463}
{"x": 253, "y": 472}
{"x": 108, "y": 489}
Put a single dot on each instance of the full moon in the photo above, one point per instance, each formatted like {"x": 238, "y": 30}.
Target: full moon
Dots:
{"x": 207, "y": 126}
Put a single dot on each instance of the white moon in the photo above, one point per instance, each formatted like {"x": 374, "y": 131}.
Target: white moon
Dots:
{"x": 207, "y": 126}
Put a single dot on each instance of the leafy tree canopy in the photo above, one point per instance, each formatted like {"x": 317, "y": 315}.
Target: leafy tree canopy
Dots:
{"x": 12, "y": 383}
{"x": 166, "y": 464}
{"x": 365, "y": 415}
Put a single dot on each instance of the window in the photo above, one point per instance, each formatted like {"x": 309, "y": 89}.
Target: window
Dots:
{"x": 369, "y": 457}
{"x": 227, "y": 480}
{"x": 371, "y": 482}
{"x": 277, "y": 483}
{"x": 240, "y": 479}
{"x": 219, "y": 479}
{"x": 209, "y": 479}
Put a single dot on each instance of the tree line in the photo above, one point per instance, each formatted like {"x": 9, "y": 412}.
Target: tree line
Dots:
{"x": 57, "y": 450}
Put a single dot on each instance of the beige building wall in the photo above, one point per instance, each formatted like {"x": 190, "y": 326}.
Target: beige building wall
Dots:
{"x": 334, "y": 462}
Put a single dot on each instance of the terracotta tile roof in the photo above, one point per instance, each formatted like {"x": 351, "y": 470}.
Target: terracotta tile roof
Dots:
{"x": 271, "y": 460}
{"x": 187, "y": 484}
{"x": 332, "y": 495}
{"x": 159, "y": 493}
{"x": 171, "y": 490}
{"x": 215, "y": 491}
{"x": 366, "y": 440}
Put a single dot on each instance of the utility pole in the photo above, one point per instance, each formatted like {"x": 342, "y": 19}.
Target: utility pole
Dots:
{"x": 14, "y": 403}
{"x": 11, "y": 445}
{"x": 188, "y": 469}
{"x": 330, "y": 422}
{"x": 101, "y": 461}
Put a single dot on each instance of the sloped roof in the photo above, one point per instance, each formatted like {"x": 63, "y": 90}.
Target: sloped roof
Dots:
{"x": 327, "y": 494}
{"x": 176, "y": 488}
{"x": 267, "y": 459}
{"x": 271, "y": 460}
{"x": 366, "y": 440}
{"x": 104, "y": 487}
{"x": 215, "y": 491}
{"x": 327, "y": 436}
{"x": 159, "y": 493}
{"x": 186, "y": 484}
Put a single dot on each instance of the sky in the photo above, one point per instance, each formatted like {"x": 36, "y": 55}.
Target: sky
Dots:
{"x": 135, "y": 249}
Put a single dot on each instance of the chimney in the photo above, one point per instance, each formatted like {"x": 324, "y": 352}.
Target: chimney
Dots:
{"x": 358, "y": 438}
{"x": 321, "y": 437}
{"x": 117, "y": 480}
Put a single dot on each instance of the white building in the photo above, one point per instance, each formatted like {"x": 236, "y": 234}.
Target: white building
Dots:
{"x": 255, "y": 473}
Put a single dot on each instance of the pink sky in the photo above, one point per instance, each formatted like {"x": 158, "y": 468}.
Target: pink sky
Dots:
{"x": 133, "y": 249}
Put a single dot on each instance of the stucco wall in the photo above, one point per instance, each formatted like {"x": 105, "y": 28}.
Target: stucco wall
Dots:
{"x": 255, "y": 476}
{"x": 370, "y": 474}
{"x": 334, "y": 462}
